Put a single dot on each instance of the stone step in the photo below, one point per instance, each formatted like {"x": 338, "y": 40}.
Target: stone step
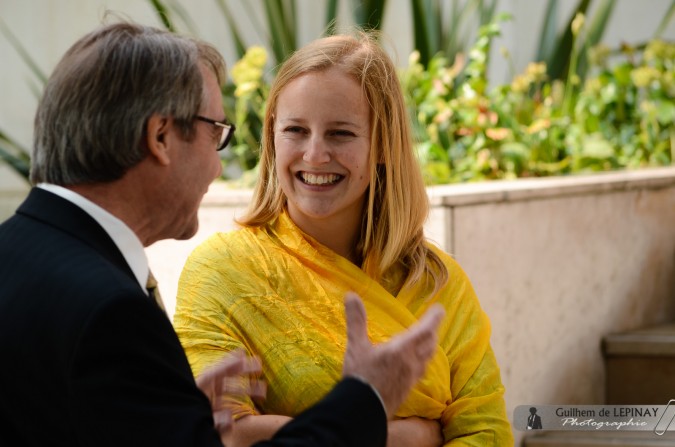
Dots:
{"x": 599, "y": 439}
{"x": 640, "y": 366}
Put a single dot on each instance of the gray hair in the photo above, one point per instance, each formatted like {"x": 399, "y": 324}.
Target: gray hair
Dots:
{"x": 91, "y": 120}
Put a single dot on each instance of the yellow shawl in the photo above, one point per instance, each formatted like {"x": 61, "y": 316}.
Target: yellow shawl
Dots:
{"x": 278, "y": 294}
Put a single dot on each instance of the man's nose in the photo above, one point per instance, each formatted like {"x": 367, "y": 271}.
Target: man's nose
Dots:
{"x": 219, "y": 166}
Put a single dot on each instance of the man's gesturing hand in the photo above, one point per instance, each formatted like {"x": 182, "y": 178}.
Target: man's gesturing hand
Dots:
{"x": 227, "y": 378}
{"x": 392, "y": 368}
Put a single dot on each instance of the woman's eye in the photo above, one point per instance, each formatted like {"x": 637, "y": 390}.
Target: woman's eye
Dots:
{"x": 342, "y": 133}
{"x": 293, "y": 129}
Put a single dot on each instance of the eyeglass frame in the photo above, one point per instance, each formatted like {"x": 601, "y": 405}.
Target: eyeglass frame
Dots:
{"x": 228, "y": 130}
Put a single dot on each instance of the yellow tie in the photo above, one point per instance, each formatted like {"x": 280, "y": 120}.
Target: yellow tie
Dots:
{"x": 153, "y": 291}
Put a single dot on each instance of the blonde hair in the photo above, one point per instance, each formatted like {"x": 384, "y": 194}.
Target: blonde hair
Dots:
{"x": 397, "y": 204}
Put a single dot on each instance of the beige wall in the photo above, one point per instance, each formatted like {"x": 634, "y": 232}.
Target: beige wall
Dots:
{"x": 557, "y": 264}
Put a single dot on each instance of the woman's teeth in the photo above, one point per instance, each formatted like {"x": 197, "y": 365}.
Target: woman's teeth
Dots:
{"x": 319, "y": 179}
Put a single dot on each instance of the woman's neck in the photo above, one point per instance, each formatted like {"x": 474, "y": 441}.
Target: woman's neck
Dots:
{"x": 336, "y": 234}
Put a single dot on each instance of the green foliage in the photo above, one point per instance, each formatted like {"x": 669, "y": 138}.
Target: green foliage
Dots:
{"x": 572, "y": 112}
{"x": 280, "y": 29}
{"x": 244, "y": 101}
{"x": 15, "y": 155}
{"x": 620, "y": 117}
{"x": 368, "y": 14}
{"x": 438, "y": 31}
{"x": 556, "y": 50}
{"x": 11, "y": 151}
{"x": 565, "y": 52}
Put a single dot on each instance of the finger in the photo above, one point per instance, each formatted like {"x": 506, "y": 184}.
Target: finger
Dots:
{"x": 244, "y": 387}
{"x": 238, "y": 363}
{"x": 422, "y": 335}
{"x": 355, "y": 314}
{"x": 258, "y": 389}
{"x": 430, "y": 321}
{"x": 217, "y": 402}
{"x": 232, "y": 367}
{"x": 235, "y": 364}
{"x": 249, "y": 366}
{"x": 229, "y": 362}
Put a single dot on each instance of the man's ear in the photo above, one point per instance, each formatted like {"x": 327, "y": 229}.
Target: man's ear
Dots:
{"x": 157, "y": 138}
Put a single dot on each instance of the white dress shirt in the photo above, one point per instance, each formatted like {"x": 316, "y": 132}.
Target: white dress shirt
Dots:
{"x": 125, "y": 239}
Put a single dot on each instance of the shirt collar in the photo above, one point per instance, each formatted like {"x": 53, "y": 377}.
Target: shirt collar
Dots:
{"x": 126, "y": 240}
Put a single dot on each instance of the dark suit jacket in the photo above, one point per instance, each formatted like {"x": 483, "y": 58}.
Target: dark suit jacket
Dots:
{"x": 87, "y": 359}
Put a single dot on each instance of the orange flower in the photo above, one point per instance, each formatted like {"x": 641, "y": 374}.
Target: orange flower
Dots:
{"x": 497, "y": 133}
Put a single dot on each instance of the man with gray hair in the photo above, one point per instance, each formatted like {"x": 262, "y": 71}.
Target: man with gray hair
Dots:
{"x": 125, "y": 147}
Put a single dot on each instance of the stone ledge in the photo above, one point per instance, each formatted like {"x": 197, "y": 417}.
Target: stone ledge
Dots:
{"x": 653, "y": 341}
{"x": 551, "y": 187}
{"x": 498, "y": 191}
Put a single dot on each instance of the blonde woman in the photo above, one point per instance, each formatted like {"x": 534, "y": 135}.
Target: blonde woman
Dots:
{"x": 339, "y": 206}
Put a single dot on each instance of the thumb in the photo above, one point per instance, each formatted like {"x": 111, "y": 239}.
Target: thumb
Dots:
{"x": 431, "y": 319}
{"x": 423, "y": 334}
{"x": 355, "y": 313}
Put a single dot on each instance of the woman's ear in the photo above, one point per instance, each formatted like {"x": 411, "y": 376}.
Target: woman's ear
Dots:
{"x": 157, "y": 138}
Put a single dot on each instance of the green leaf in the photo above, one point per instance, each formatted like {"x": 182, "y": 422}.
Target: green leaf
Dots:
{"x": 331, "y": 17}
{"x": 433, "y": 26}
{"x": 20, "y": 165}
{"x": 486, "y": 11}
{"x": 548, "y": 35}
{"x": 622, "y": 74}
{"x": 183, "y": 14}
{"x": 665, "y": 112}
{"x": 595, "y": 32}
{"x": 597, "y": 147}
{"x": 437, "y": 30}
{"x": 436, "y": 173}
{"x": 163, "y": 14}
{"x": 281, "y": 23}
{"x": 16, "y": 156}
{"x": 559, "y": 60}
{"x": 422, "y": 40}
{"x": 666, "y": 20}
{"x": 21, "y": 50}
{"x": 368, "y": 14}
{"x": 234, "y": 29}
{"x": 515, "y": 151}
{"x": 600, "y": 20}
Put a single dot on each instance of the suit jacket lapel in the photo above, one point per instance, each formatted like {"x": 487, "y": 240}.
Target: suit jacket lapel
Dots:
{"x": 59, "y": 213}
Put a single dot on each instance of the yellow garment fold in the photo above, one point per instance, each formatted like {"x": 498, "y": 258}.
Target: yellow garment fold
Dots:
{"x": 278, "y": 294}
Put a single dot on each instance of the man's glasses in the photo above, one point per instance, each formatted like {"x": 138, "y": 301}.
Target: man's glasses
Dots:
{"x": 227, "y": 129}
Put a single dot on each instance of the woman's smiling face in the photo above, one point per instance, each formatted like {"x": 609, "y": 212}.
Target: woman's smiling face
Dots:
{"x": 322, "y": 147}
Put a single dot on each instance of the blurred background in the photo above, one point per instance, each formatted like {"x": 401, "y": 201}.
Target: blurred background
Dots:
{"x": 35, "y": 34}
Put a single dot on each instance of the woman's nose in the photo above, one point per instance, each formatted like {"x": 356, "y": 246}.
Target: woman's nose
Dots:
{"x": 316, "y": 151}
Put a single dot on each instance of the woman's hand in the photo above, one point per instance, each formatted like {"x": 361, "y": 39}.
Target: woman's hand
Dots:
{"x": 414, "y": 431}
{"x": 255, "y": 428}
